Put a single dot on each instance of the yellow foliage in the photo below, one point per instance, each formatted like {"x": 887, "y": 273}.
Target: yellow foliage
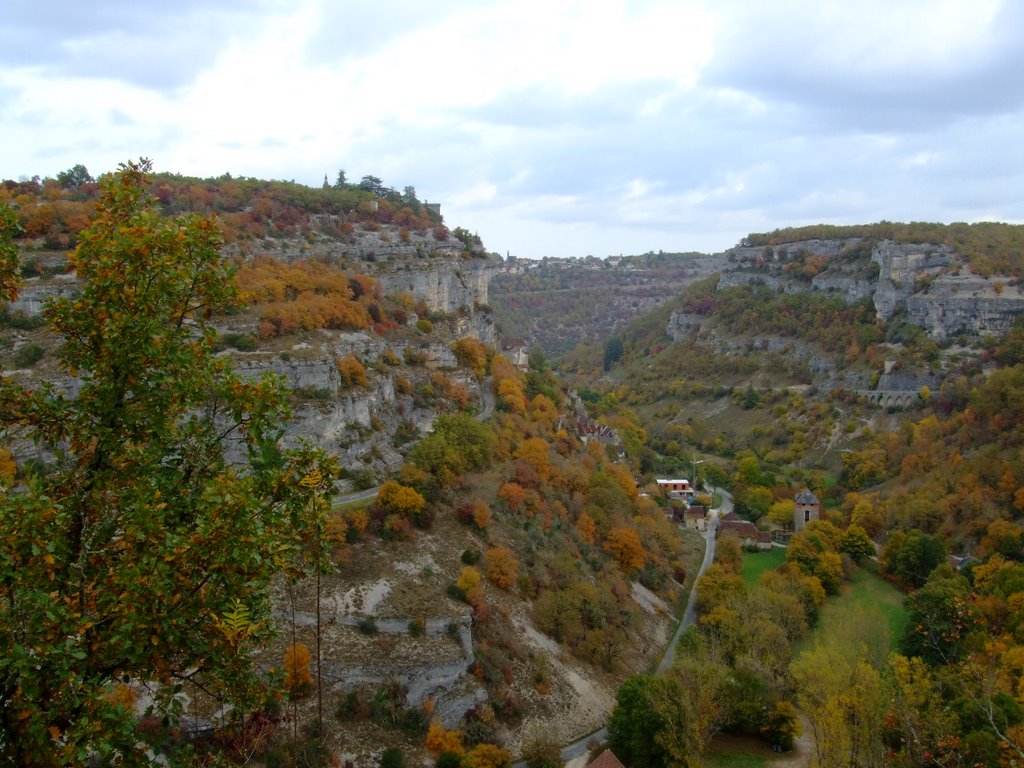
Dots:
{"x": 297, "y": 678}
{"x": 469, "y": 578}
{"x": 8, "y": 468}
{"x": 440, "y": 739}
{"x": 401, "y": 500}
{"x": 486, "y": 756}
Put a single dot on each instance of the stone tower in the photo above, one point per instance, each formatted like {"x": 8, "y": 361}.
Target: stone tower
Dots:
{"x": 806, "y": 507}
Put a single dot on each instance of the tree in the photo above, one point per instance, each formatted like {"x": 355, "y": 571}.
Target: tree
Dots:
{"x": 912, "y": 556}
{"x": 142, "y": 553}
{"x": 613, "y": 351}
{"x": 856, "y": 543}
{"x": 373, "y": 184}
{"x": 397, "y": 499}
{"x": 297, "y": 677}
{"x": 74, "y": 177}
{"x": 625, "y": 546}
{"x": 341, "y": 181}
{"x": 501, "y": 566}
{"x": 645, "y": 708}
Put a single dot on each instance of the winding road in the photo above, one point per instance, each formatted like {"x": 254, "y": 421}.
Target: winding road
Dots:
{"x": 579, "y": 746}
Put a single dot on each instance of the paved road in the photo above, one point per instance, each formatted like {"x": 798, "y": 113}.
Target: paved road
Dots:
{"x": 579, "y": 746}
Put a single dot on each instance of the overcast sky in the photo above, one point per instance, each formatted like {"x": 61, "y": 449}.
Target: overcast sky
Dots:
{"x": 550, "y": 127}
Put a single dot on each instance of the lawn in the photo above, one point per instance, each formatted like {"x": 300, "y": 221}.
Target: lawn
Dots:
{"x": 756, "y": 563}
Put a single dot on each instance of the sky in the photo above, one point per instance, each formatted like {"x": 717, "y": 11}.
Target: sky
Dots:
{"x": 549, "y": 127}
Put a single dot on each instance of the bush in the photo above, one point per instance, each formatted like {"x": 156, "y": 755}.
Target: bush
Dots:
{"x": 393, "y": 757}
{"x": 28, "y": 355}
{"x": 243, "y": 342}
{"x": 368, "y": 625}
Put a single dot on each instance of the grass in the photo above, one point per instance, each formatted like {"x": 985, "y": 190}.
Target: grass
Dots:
{"x": 867, "y": 605}
{"x": 756, "y": 563}
{"x": 724, "y": 754}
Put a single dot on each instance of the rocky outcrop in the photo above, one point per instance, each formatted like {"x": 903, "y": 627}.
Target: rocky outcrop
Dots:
{"x": 903, "y": 269}
{"x": 965, "y": 303}
{"x": 445, "y": 285}
{"x": 35, "y": 293}
{"x": 928, "y": 281}
{"x": 683, "y": 325}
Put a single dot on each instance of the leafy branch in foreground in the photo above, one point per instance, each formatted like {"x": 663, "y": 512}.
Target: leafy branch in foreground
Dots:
{"x": 137, "y": 555}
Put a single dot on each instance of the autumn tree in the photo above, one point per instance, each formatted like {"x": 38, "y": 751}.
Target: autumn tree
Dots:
{"x": 471, "y": 354}
{"x": 625, "y": 546}
{"x": 397, "y": 499}
{"x": 501, "y": 566}
{"x": 142, "y": 553}
{"x": 297, "y": 677}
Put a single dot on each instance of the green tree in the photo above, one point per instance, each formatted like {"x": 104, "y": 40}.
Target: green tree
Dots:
{"x": 74, "y": 177}
{"x": 613, "y": 350}
{"x": 646, "y": 708}
{"x": 856, "y": 543}
{"x": 912, "y": 556}
{"x": 142, "y": 553}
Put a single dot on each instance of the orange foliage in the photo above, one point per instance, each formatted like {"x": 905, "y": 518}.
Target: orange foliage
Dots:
{"x": 501, "y": 567}
{"x": 586, "y": 528}
{"x": 297, "y": 678}
{"x": 513, "y": 495}
{"x": 353, "y": 374}
{"x": 535, "y": 453}
{"x": 305, "y": 295}
{"x": 625, "y": 546}
{"x": 481, "y": 515}
{"x": 472, "y": 354}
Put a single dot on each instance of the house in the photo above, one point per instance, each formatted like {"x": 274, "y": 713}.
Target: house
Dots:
{"x": 516, "y": 353}
{"x": 695, "y": 519}
{"x": 606, "y": 759}
{"x": 677, "y": 489}
{"x": 806, "y": 507}
{"x": 748, "y": 533}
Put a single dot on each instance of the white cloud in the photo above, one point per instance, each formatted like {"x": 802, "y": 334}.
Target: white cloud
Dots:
{"x": 553, "y": 126}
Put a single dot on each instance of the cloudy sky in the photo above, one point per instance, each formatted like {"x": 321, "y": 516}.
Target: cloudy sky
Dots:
{"x": 550, "y": 127}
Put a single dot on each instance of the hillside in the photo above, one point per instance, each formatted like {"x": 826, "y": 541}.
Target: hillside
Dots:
{"x": 884, "y": 376}
{"x": 555, "y": 304}
{"x": 505, "y": 578}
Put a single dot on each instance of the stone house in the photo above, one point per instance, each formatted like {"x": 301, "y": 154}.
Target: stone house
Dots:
{"x": 749, "y": 534}
{"x": 806, "y": 507}
{"x": 695, "y": 519}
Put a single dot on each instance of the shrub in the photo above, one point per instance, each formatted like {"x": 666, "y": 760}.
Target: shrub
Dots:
{"x": 368, "y": 625}
{"x": 28, "y": 355}
{"x": 393, "y": 757}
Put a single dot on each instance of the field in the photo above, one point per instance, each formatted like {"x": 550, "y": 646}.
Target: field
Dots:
{"x": 756, "y": 563}
{"x": 868, "y": 609}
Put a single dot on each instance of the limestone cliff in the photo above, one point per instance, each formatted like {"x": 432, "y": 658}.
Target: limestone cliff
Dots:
{"x": 929, "y": 282}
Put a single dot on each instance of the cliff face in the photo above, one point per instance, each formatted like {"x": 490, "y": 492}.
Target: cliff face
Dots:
{"x": 926, "y": 280}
